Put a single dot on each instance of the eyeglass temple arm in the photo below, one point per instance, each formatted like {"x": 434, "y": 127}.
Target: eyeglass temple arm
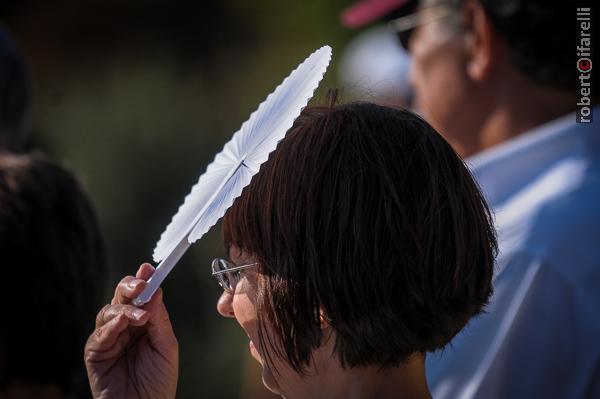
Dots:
{"x": 233, "y": 269}
{"x": 411, "y": 21}
{"x": 162, "y": 271}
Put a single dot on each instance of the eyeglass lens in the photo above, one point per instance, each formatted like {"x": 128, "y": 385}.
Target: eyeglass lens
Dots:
{"x": 227, "y": 280}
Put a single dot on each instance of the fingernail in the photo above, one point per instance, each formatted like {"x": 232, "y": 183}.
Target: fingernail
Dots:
{"x": 138, "y": 314}
{"x": 133, "y": 283}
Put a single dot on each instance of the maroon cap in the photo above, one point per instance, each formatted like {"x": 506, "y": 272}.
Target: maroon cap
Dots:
{"x": 365, "y": 11}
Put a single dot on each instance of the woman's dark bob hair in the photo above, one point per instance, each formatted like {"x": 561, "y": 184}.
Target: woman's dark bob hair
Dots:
{"x": 364, "y": 215}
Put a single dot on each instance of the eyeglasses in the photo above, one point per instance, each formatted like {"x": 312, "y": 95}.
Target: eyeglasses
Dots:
{"x": 228, "y": 274}
{"x": 405, "y": 26}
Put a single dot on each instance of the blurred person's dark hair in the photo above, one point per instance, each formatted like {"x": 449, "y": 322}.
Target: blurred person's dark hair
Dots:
{"x": 15, "y": 94}
{"x": 364, "y": 216}
{"x": 535, "y": 30}
{"x": 539, "y": 38}
{"x": 53, "y": 265}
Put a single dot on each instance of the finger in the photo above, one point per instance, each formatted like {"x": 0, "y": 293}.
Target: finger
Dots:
{"x": 131, "y": 287}
{"x": 128, "y": 289}
{"x": 105, "y": 337}
{"x": 135, "y": 315}
{"x": 145, "y": 271}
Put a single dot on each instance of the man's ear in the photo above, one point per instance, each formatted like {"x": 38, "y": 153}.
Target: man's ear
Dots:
{"x": 481, "y": 41}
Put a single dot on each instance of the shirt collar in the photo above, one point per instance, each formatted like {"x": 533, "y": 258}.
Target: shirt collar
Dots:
{"x": 505, "y": 168}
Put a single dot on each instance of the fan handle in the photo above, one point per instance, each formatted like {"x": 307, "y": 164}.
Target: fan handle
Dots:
{"x": 162, "y": 271}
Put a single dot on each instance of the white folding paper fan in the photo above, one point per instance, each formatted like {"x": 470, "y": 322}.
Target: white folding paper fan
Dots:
{"x": 233, "y": 168}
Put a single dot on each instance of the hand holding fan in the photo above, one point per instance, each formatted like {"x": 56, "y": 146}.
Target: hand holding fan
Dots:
{"x": 233, "y": 168}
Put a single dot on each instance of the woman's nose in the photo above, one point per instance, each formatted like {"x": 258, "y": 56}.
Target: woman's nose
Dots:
{"x": 225, "y": 304}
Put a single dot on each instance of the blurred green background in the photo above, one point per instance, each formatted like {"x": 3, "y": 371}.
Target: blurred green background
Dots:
{"x": 136, "y": 97}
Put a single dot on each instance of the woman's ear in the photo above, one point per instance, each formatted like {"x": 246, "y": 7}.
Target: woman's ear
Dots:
{"x": 327, "y": 332}
{"x": 324, "y": 320}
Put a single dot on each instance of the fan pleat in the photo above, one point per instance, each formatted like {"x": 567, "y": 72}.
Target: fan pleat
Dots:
{"x": 241, "y": 158}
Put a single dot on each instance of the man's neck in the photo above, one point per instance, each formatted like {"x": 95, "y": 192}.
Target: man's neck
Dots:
{"x": 519, "y": 107}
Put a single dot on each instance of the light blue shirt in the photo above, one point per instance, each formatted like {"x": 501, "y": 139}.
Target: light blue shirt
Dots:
{"x": 540, "y": 335}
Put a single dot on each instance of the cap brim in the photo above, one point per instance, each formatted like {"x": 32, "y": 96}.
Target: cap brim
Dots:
{"x": 367, "y": 11}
